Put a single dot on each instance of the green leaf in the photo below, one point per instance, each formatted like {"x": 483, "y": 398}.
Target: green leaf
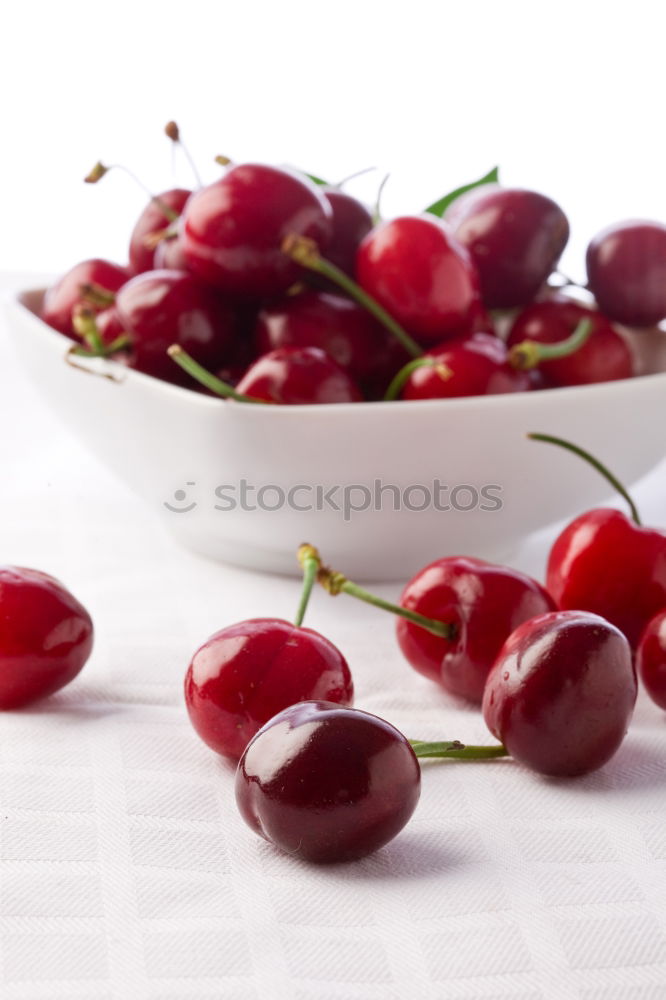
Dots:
{"x": 314, "y": 178}
{"x": 439, "y": 207}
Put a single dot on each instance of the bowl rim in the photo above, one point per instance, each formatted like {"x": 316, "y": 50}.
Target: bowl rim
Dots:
{"x": 461, "y": 404}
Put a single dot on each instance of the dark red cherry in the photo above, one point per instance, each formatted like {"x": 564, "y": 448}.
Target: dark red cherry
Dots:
{"x": 298, "y": 375}
{"x": 350, "y": 224}
{"x": 69, "y": 290}
{"x": 561, "y": 693}
{"x": 153, "y": 219}
{"x": 45, "y": 639}
{"x": 483, "y": 602}
{"x": 161, "y": 308}
{"x": 326, "y": 784}
{"x": 344, "y": 330}
{"x": 515, "y": 238}
{"x": 626, "y": 271}
{"x": 651, "y": 659}
{"x": 468, "y": 366}
{"x": 421, "y": 275}
{"x": 233, "y": 230}
{"x": 604, "y": 357}
{"x": 246, "y": 673}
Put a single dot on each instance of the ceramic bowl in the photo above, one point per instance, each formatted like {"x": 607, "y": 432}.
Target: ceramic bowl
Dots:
{"x": 381, "y": 488}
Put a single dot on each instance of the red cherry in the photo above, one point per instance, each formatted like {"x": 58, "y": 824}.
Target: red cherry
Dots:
{"x": 298, "y": 375}
{"x": 626, "y": 270}
{"x": 561, "y": 693}
{"x": 169, "y": 255}
{"x": 68, "y": 291}
{"x": 515, "y": 238}
{"x": 651, "y": 659}
{"x": 46, "y": 636}
{"x": 153, "y": 220}
{"x": 351, "y": 222}
{"x": 336, "y": 325}
{"x": 161, "y": 308}
{"x": 233, "y": 230}
{"x": 469, "y": 366}
{"x": 421, "y": 275}
{"x": 605, "y": 356}
{"x": 327, "y": 784}
{"x": 605, "y": 563}
{"x": 246, "y": 673}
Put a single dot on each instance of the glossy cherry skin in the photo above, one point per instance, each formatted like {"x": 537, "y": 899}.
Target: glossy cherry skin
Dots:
{"x": 233, "y": 229}
{"x": 483, "y": 601}
{"x": 604, "y": 357}
{"x": 338, "y": 326}
{"x": 626, "y": 271}
{"x": 326, "y": 784}
{"x": 515, "y": 237}
{"x": 470, "y": 366}
{"x": 651, "y": 659}
{"x": 604, "y": 563}
{"x": 298, "y": 375}
{"x": 153, "y": 220}
{"x": 45, "y": 639}
{"x": 61, "y": 299}
{"x": 561, "y": 693}
{"x": 351, "y": 223}
{"x": 246, "y": 673}
{"x": 421, "y": 275}
{"x": 160, "y": 308}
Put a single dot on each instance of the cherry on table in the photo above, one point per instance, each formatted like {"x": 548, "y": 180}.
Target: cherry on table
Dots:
{"x": 327, "y": 784}
{"x": 561, "y": 693}
{"x": 651, "y": 659}
{"x": 626, "y": 271}
{"x": 91, "y": 283}
{"x": 160, "y": 212}
{"x": 46, "y": 636}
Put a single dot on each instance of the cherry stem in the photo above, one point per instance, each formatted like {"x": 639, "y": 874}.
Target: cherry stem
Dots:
{"x": 85, "y": 326}
{"x": 351, "y": 177}
{"x": 377, "y": 215}
{"x": 595, "y": 463}
{"x": 335, "y": 583}
{"x": 398, "y": 381}
{"x": 530, "y": 353}
{"x": 309, "y": 560}
{"x": 100, "y": 169}
{"x": 456, "y": 750}
{"x": 305, "y": 252}
{"x": 96, "y": 295}
{"x": 206, "y": 378}
{"x": 173, "y": 132}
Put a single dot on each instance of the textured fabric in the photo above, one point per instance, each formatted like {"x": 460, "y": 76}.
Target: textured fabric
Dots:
{"x": 126, "y": 871}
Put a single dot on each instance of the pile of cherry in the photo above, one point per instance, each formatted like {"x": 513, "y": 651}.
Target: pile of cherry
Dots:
{"x": 268, "y": 287}
{"x": 554, "y": 669}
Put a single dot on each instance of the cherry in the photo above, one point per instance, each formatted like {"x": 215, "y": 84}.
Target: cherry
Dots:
{"x": 340, "y": 327}
{"x": 467, "y": 366}
{"x": 152, "y": 221}
{"x": 160, "y": 308}
{"x": 515, "y": 238}
{"x": 234, "y": 228}
{"x": 169, "y": 253}
{"x": 604, "y": 357}
{"x": 626, "y": 270}
{"x": 91, "y": 283}
{"x": 351, "y": 222}
{"x": 561, "y": 693}
{"x": 454, "y": 615}
{"x": 327, "y": 784}
{"x": 651, "y": 659}
{"x": 605, "y": 563}
{"x": 46, "y": 636}
{"x": 421, "y": 275}
{"x": 298, "y": 375}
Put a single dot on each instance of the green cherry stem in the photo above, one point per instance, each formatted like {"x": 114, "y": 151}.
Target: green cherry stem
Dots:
{"x": 305, "y": 252}
{"x": 85, "y": 325}
{"x": 595, "y": 463}
{"x": 206, "y": 378}
{"x": 530, "y": 353}
{"x": 99, "y": 171}
{"x": 309, "y": 560}
{"x": 456, "y": 750}
{"x": 336, "y": 583}
{"x": 398, "y": 381}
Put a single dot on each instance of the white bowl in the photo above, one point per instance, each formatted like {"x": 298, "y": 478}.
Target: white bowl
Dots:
{"x": 161, "y": 439}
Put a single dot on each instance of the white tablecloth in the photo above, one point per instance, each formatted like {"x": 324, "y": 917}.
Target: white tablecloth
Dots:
{"x": 126, "y": 871}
